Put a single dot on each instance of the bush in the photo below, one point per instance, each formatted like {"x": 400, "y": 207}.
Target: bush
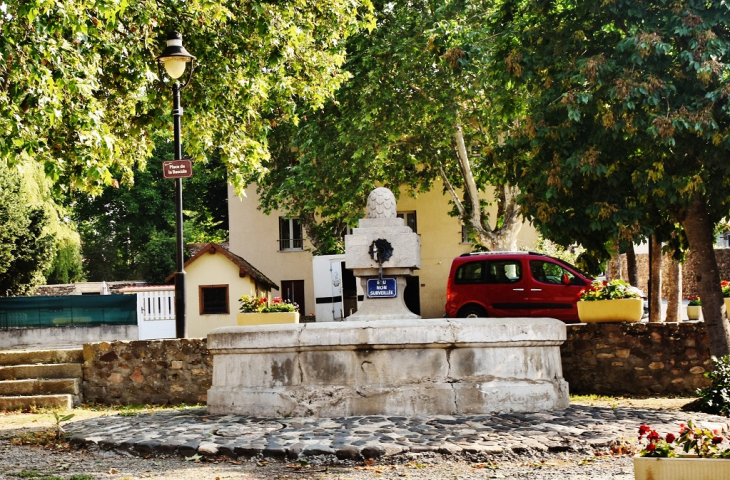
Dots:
{"x": 715, "y": 399}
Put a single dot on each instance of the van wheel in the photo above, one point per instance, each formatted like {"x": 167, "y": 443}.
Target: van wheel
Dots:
{"x": 472, "y": 311}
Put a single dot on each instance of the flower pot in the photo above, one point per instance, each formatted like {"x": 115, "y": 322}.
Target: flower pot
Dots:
{"x": 693, "y": 312}
{"x": 620, "y": 310}
{"x": 647, "y": 468}
{"x": 727, "y": 306}
{"x": 259, "y": 318}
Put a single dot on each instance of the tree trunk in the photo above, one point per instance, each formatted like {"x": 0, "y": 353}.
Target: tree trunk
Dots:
{"x": 699, "y": 231}
{"x": 501, "y": 237}
{"x": 655, "y": 292}
{"x": 631, "y": 266}
{"x": 613, "y": 267}
{"x": 674, "y": 295}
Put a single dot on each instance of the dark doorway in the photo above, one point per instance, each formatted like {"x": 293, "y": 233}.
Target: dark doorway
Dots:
{"x": 293, "y": 290}
{"x": 412, "y": 295}
{"x": 349, "y": 291}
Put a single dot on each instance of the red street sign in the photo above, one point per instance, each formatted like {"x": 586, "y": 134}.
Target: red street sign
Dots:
{"x": 177, "y": 169}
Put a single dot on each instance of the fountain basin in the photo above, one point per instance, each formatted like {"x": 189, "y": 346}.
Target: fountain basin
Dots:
{"x": 441, "y": 366}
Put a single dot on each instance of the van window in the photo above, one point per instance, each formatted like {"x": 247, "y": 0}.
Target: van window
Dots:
{"x": 548, "y": 272}
{"x": 471, "y": 272}
{"x": 504, "y": 271}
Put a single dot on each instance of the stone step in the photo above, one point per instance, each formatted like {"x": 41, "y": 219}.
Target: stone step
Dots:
{"x": 37, "y": 401}
{"x": 60, "y": 370}
{"x": 69, "y": 386}
{"x": 31, "y": 357}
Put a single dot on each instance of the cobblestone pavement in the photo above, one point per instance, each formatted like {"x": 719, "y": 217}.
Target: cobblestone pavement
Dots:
{"x": 193, "y": 432}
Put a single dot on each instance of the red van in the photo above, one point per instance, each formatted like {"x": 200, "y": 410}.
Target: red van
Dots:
{"x": 514, "y": 284}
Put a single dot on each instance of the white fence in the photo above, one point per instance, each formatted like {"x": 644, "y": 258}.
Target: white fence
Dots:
{"x": 155, "y": 312}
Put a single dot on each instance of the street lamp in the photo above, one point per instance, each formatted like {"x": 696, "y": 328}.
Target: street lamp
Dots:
{"x": 174, "y": 60}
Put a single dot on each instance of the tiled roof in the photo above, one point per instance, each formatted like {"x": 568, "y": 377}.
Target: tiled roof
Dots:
{"x": 245, "y": 268}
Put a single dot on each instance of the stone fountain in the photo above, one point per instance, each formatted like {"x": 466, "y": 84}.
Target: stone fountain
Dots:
{"x": 385, "y": 360}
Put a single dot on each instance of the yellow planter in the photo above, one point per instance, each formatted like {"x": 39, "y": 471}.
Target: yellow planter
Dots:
{"x": 622, "y": 310}
{"x": 265, "y": 318}
{"x": 727, "y": 306}
{"x": 646, "y": 468}
{"x": 693, "y": 312}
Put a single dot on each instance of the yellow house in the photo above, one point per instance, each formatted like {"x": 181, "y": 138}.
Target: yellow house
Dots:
{"x": 215, "y": 279}
{"x": 282, "y": 250}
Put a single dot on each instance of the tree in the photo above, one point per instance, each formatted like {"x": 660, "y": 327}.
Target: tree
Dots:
{"x": 79, "y": 92}
{"x": 627, "y": 127}
{"x": 416, "y": 110}
{"x": 128, "y": 231}
{"x": 26, "y": 248}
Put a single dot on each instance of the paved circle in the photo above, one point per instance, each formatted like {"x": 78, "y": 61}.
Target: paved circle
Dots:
{"x": 193, "y": 431}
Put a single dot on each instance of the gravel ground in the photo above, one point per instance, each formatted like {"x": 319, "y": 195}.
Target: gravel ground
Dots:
{"x": 21, "y": 461}
{"x": 51, "y": 463}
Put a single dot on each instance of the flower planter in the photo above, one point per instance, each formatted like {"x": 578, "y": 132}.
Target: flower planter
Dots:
{"x": 259, "y": 318}
{"x": 620, "y": 310}
{"x": 727, "y": 306}
{"x": 693, "y": 312}
{"x": 647, "y": 468}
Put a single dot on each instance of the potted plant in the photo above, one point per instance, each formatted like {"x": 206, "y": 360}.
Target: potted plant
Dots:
{"x": 614, "y": 301}
{"x": 725, "y": 285}
{"x": 695, "y": 453}
{"x": 259, "y": 310}
{"x": 693, "y": 308}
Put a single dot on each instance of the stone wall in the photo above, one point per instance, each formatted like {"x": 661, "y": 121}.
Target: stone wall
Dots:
{"x": 63, "y": 289}
{"x": 690, "y": 271}
{"x": 154, "y": 372}
{"x": 602, "y": 358}
{"x": 636, "y": 358}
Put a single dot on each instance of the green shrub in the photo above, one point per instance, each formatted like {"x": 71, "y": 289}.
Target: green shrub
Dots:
{"x": 716, "y": 398}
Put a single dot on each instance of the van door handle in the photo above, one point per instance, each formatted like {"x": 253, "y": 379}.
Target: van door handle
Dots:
{"x": 518, "y": 289}
{"x": 536, "y": 289}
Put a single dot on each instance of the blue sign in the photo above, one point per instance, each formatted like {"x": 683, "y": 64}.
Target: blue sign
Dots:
{"x": 382, "y": 289}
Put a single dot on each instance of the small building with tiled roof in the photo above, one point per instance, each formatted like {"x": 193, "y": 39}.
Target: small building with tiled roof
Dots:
{"x": 215, "y": 279}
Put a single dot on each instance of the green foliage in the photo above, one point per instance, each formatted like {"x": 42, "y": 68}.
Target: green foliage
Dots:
{"x": 78, "y": 83}
{"x": 416, "y": 81}
{"x": 128, "y": 231}
{"x": 67, "y": 263}
{"x": 715, "y": 399}
{"x": 567, "y": 254}
{"x": 59, "y": 420}
{"x": 156, "y": 261}
{"x": 26, "y": 247}
{"x": 694, "y": 301}
{"x": 279, "y": 305}
{"x": 627, "y": 122}
{"x": 251, "y": 304}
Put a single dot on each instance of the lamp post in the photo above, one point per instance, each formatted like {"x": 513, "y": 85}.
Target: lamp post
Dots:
{"x": 174, "y": 60}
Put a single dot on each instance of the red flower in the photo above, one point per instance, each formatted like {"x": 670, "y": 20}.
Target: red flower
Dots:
{"x": 650, "y": 447}
{"x": 716, "y": 440}
{"x": 653, "y": 435}
{"x": 682, "y": 428}
{"x": 643, "y": 430}
{"x": 670, "y": 437}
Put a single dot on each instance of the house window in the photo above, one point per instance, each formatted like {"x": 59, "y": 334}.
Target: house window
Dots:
{"x": 213, "y": 299}
{"x": 410, "y": 220}
{"x": 290, "y": 234}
